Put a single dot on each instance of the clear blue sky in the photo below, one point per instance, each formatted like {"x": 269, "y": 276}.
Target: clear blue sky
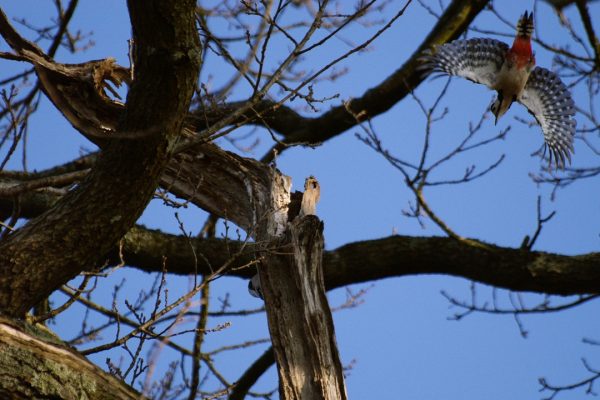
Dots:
{"x": 400, "y": 338}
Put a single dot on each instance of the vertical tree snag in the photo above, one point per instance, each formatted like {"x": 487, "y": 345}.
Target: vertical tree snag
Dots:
{"x": 299, "y": 317}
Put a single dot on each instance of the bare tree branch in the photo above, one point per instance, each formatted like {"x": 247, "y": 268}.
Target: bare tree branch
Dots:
{"x": 298, "y": 129}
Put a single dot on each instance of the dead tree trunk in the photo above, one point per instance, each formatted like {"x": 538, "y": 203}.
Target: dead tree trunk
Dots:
{"x": 300, "y": 320}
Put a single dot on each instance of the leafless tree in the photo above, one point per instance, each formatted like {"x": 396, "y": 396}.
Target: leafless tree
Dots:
{"x": 65, "y": 230}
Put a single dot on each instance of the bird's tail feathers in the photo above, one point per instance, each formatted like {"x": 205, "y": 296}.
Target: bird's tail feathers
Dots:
{"x": 525, "y": 25}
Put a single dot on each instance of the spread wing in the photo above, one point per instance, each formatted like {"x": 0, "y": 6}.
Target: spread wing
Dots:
{"x": 478, "y": 60}
{"x": 549, "y": 101}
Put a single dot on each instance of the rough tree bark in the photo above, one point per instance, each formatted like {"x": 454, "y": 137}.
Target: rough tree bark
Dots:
{"x": 291, "y": 277}
{"x": 394, "y": 256}
{"x": 77, "y": 232}
{"x": 83, "y": 226}
{"x": 35, "y": 365}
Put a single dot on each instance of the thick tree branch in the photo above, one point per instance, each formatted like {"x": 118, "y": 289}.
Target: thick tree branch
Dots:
{"x": 220, "y": 182}
{"x": 395, "y": 256}
{"x": 85, "y": 224}
{"x": 34, "y": 364}
{"x": 364, "y": 261}
{"x": 509, "y": 268}
{"x": 503, "y": 267}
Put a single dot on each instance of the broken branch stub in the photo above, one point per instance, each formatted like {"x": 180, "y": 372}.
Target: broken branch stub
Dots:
{"x": 310, "y": 198}
{"x": 291, "y": 280}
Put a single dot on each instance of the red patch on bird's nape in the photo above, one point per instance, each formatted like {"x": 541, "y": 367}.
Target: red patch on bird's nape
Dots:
{"x": 521, "y": 51}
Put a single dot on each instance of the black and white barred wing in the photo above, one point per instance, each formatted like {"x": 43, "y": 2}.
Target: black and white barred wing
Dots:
{"x": 478, "y": 60}
{"x": 549, "y": 101}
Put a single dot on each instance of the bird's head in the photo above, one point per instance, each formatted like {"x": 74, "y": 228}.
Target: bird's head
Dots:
{"x": 500, "y": 106}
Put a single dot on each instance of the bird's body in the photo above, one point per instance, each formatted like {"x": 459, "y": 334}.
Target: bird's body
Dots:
{"x": 519, "y": 61}
{"x": 511, "y": 72}
{"x": 509, "y": 83}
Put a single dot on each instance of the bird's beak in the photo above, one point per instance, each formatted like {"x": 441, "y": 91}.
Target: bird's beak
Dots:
{"x": 496, "y": 120}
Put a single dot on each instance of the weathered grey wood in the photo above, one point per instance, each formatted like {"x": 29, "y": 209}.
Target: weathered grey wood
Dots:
{"x": 300, "y": 320}
{"x": 223, "y": 183}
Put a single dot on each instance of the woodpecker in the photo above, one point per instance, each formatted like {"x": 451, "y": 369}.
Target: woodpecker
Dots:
{"x": 511, "y": 72}
{"x": 254, "y": 287}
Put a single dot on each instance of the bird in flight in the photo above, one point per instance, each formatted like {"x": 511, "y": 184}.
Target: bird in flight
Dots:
{"x": 511, "y": 72}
